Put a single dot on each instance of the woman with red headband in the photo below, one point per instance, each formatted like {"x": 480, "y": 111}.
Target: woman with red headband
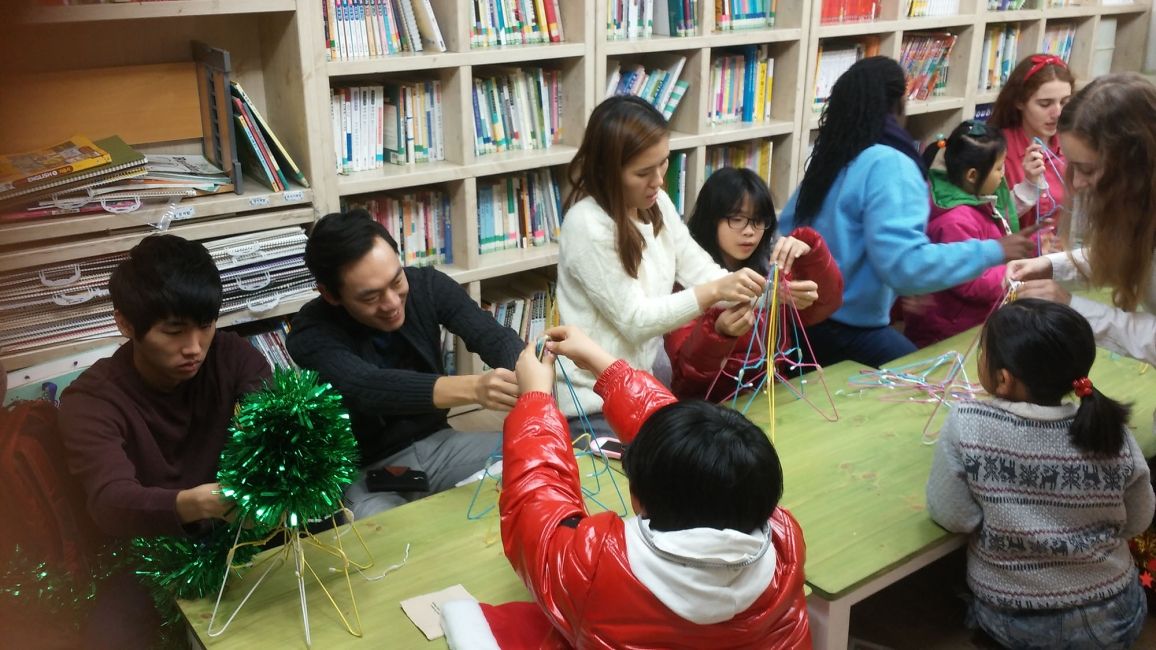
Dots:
{"x": 1028, "y": 109}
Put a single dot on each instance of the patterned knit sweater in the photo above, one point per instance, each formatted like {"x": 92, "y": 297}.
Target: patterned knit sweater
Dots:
{"x": 1049, "y": 523}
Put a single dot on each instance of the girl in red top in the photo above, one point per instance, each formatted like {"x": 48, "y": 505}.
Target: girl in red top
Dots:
{"x": 1028, "y": 108}
{"x": 730, "y": 220}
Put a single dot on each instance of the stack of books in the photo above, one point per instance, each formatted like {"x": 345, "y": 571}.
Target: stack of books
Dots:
{"x": 515, "y": 22}
{"x": 518, "y": 110}
{"x": 660, "y": 86}
{"x": 734, "y": 15}
{"x": 394, "y": 123}
{"x": 358, "y": 29}
{"x": 926, "y": 8}
{"x": 999, "y": 56}
{"x": 848, "y": 11}
{"x": 262, "y": 155}
{"x": 518, "y": 211}
{"x": 262, "y": 270}
{"x": 1058, "y": 40}
{"x": 627, "y": 19}
{"x": 524, "y": 304}
{"x": 834, "y": 59}
{"x": 1005, "y": 5}
{"x": 419, "y": 221}
{"x": 924, "y": 60}
{"x": 755, "y": 155}
{"x": 271, "y": 345}
{"x": 675, "y": 181}
{"x": 741, "y": 87}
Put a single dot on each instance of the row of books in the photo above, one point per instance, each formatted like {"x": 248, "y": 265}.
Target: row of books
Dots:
{"x": 741, "y": 86}
{"x": 518, "y": 210}
{"x": 927, "y": 8}
{"x": 735, "y": 15}
{"x": 924, "y": 59}
{"x": 1005, "y": 5}
{"x": 627, "y": 19}
{"x": 999, "y": 56}
{"x": 419, "y": 222}
{"x": 357, "y": 29}
{"x": 524, "y": 304}
{"x": 834, "y": 58}
{"x": 271, "y": 345}
{"x": 675, "y": 181}
{"x": 1058, "y": 40}
{"x": 659, "y": 86}
{"x": 520, "y": 109}
{"x": 55, "y": 304}
{"x": 261, "y": 153}
{"x": 394, "y": 123}
{"x": 752, "y": 154}
{"x": 515, "y": 22}
{"x": 848, "y": 11}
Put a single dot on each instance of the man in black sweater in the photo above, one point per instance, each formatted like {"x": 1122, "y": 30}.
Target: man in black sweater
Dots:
{"x": 374, "y": 334}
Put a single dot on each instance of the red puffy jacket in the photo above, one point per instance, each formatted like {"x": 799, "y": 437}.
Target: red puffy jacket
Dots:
{"x": 576, "y": 564}
{"x": 697, "y": 351}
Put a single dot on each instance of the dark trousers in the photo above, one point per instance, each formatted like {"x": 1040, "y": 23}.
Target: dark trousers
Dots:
{"x": 871, "y": 346}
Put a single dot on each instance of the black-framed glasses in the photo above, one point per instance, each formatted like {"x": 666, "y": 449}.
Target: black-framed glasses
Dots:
{"x": 741, "y": 223}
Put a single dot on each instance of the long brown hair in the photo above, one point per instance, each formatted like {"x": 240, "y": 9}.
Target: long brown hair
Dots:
{"x": 1020, "y": 87}
{"x": 619, "y": 129}
{"x": 1115, "y": 116}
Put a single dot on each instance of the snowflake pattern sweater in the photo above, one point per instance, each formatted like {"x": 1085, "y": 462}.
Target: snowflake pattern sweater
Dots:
{"x": 1049, "y": 523}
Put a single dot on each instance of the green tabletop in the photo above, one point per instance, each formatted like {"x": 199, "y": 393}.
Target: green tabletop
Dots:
{"x": 446, "y": 549}
{"x": 857, "y": 485}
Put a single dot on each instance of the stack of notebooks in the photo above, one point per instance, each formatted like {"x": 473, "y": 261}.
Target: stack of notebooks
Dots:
{"x": 419, "y": 222}
{"x": 924, "y": 60}
{"x": 66, "y": 303}
{"x": 518, "y": 211}
{"x": 262, "y": 155}
{"x": 518, "y": 110}
{"x": 660, "y": 86}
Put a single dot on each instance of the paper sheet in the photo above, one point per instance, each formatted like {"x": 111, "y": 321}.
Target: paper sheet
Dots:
{"x": 425, "y": 610}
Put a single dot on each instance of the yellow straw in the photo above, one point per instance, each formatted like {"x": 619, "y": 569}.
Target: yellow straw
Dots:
{"x": 772, "y": 340}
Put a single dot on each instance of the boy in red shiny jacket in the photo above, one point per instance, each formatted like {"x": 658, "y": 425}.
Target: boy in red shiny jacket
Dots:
{"x": 709, "y": 562}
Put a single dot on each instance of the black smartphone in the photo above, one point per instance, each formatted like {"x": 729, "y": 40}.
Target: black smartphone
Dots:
{"x": 396, "y": 479}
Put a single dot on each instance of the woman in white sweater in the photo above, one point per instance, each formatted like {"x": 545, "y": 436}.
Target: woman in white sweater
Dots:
{"x": 624, "y": 246}
{"x": 1108, "y": 133}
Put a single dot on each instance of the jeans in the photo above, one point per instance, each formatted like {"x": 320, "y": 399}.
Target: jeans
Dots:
{"x": 447, "y": 456}
{"x": 833, "y": 342}
{"x": 1114, "y": 622}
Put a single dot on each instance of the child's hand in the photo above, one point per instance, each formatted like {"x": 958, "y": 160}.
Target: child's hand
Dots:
{"x": 1033, "y": 164}
{"x": 1019, "y": 245}
{"x": 1035, "y": 268}
{"x": 786, "y": 251}
{"x": 736, "y": 321}
{"x": 803, "y": 292}
{"x": 570, "y": 342}
{"x": 1044, "y": 290}
{"x": 535, "y": 374}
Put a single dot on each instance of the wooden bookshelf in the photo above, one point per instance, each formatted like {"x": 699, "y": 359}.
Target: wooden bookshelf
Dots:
{"x": 280, "y": 57}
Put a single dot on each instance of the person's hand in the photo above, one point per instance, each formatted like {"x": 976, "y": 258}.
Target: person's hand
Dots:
{"x": 1033, "y": 164}
{"x": 1020, "y": 244}
{"x": 497, "y": 389}
{"x": 803, "y": 292}
{"x": 736, "y": 321}
{"x": 744, "y": 285}
{"x": 535, "y": 374}
{"x": 786, "y": 251}
{"x": 1033, "y": 268}
{"x": 202, "y": 502}
{"x": 570, "y": 342}
{"x": 1044, "y": 290}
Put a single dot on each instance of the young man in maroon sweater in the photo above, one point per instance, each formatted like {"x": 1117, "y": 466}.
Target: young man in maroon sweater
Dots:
{"x": 144, "y": 429}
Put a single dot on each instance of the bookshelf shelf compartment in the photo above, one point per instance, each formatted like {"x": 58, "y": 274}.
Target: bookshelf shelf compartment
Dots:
{"x": 158, "y": 9}
{"x": 1020, "y": 15}
{"x": 393, "y": 177}
{"x": 516, "y": 161}
{"x": 727, "y": 133}
{"x": 498, "y": 264}
{"x": 935, "y": 104}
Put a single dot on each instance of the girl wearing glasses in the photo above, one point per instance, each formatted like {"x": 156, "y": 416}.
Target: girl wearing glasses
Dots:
{"x": 1028, "y": 109}
{"x": 865, "y": 191}
{"x": 969, "y": 201}
{"x": 734, "y": 220}
{"x": 624, "y": 247}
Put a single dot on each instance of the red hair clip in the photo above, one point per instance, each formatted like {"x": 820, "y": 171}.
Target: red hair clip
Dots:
{"x": 1083, "y": 387}
{"x": 1041, "y": 60}
{"x": 941, "y": 143}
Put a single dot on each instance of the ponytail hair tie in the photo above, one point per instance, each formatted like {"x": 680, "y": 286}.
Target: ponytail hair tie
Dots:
{"x": 1083, "y": 387}
{"x": 1041, "y": 60}
{"x": 941, "y": 143}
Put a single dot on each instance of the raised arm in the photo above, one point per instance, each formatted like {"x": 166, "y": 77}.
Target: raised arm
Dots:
{"x": 819, "y": 267}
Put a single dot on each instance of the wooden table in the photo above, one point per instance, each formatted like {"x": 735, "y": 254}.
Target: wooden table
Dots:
{"x": 857, "y": 485}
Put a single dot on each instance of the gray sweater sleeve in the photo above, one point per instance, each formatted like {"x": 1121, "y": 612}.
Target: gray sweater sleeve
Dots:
{"x": 1139, "y": 501}
{"x": 949, "y": 499}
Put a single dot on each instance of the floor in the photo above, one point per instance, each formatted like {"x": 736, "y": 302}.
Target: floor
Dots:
{"x": 923, "y": 612}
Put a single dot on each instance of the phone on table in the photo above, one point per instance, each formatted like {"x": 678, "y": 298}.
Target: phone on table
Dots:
{"x": 396, "y": 478}
{"x": 612, "y": 447}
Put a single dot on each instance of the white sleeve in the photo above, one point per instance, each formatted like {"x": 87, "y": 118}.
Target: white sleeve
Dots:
{"x": 1067, "y": 266}
{"x": 589, "y": 255}
{"x": 1026, "y": 196}
{"x": 693, "y": 265}
{"x": 1132, "y": 334}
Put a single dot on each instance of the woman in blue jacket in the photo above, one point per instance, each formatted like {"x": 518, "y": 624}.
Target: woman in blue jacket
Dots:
{"x": 865, "y": 191}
